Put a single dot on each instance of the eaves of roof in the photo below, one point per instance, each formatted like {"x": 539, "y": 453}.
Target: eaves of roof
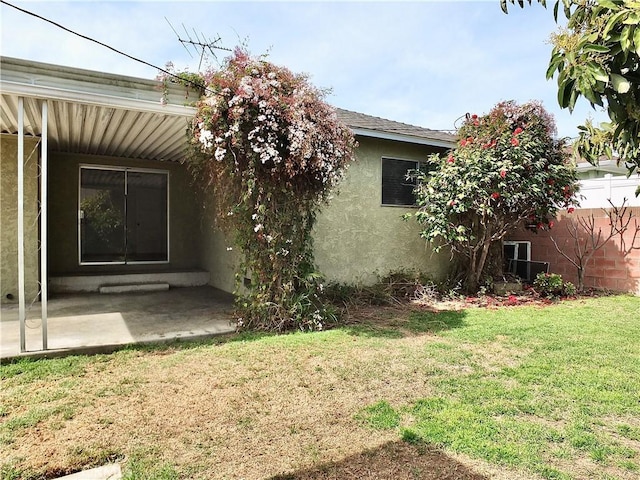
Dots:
{"x": 123, "y": 116}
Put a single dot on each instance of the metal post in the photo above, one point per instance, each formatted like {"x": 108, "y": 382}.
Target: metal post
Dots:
{"x": 21, "y": 301}
{"x": 43, "y": 222}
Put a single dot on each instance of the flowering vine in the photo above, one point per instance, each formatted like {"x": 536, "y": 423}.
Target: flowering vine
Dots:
{"x": 269, "y": 147}
{"x": 508, "y": 169}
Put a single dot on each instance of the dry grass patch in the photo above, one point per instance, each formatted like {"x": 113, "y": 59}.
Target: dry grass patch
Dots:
{"x": 296, "y": 406}
{"x": 237, "y": 410}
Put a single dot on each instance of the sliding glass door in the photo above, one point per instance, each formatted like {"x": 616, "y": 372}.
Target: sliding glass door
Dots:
{"x": 123, "y": 216}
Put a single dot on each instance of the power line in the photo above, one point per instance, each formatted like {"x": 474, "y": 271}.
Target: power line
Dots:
{"x": 163, "y": 70}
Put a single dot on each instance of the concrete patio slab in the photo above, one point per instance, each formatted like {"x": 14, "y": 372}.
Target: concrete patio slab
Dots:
{"x": 93, "y": 322}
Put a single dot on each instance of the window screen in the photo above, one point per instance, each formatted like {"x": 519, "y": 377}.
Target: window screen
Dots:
{"x": 396, "y": 188}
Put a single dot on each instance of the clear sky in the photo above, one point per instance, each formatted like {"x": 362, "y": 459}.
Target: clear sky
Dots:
{"x": 424, "y": 62}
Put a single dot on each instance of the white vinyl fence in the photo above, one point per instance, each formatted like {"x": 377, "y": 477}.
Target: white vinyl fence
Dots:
{"x": 596, "y": 191}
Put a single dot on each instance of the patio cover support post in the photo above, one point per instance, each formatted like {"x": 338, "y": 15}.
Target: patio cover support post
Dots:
{"x": 44, "y": 159}
{"x": 21, "y": 301}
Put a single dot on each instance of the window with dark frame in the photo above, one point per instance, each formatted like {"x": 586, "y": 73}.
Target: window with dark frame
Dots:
{"x": 397, "y": 189}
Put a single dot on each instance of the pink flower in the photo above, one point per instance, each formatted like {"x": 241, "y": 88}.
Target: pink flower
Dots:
{"x": 551, "y": 224}
{"x": 503, "y": 173}
{"x": 518, "y": 131}
{"x": 452, "y": 203}
{"x": 495, "y": 195}
{"x": 463, "y": 142}
{"x": 571, "y": 210}
{"x": 515, "y": 142}
{"x": 539, "y": 225}
{"x": 450, "y": 159}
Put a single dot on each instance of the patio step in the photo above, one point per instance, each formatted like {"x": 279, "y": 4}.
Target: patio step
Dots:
{"x": 93, "y": 282}
{"x": 134, "y": 288}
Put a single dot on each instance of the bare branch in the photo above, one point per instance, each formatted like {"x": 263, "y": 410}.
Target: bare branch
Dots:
{"x": 588, "y": 238}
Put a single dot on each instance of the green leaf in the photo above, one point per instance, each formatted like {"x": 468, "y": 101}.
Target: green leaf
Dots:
{"x": 613, "y": 21}
{"x": 632, "y": 19}
{"x": 592, "y": 96}
{"x": 592, "y": 47}
{"x": 608, "y": 151}
{"x": 625, "y": 38}
{"x": 620, "y": 84}
{"x": 598, "y": 72}
{"x": 636, "y": 41}
{"x": 564, "y": 92}
{"x": 608, "y": 4}
{"x": 567, "y": 8}
{"x": 556, "y": 62}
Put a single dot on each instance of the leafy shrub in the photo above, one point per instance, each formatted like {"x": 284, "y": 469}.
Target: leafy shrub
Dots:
{"x": 507, "y": 169}
{"x": 551, "y": 285}
{"x": 394, "y": 288}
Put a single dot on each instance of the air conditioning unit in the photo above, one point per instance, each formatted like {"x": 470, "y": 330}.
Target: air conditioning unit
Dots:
{"x": 517, "y": 260}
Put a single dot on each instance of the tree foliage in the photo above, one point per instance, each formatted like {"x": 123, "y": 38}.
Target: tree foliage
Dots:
{"x": 269, "y": 147}
{"x": 597, "y": 56}
{"x": 506, "y": 169}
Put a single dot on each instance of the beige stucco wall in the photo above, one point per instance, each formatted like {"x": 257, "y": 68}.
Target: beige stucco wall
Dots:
{"x": 63, "y": 215}
{"x": 217, "y": 254}
{"x": 9, "y": 218}
{"x": 356, "y": 238}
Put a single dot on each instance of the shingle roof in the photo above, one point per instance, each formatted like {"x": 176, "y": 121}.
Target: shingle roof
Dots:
{"x": 369, "y": 125}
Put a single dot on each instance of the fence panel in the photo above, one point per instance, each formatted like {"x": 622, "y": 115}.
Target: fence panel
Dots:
{"x": 596, "y": 191}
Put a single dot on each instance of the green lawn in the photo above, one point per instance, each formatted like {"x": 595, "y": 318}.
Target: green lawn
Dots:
{"x": 511, "y": 392}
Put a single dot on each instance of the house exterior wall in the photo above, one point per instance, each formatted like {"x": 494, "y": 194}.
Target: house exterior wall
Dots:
{"x": 9, "y": 218}
{"x": 63, "y": 215}
{"x": 356, "y": 238}
{"x": 217, "y": 254}
{"x": 609, "y": 268}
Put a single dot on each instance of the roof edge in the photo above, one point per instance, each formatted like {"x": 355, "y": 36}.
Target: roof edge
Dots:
{"x": 399, "y": 137}
{"x": 76, "y": 96}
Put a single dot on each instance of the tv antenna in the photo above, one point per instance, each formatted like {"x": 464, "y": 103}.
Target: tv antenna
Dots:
{"x": 202, "y": 45}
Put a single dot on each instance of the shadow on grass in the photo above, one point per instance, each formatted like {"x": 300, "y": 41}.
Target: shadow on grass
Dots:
{"x": 375, "y": 322}
{"x": 393, "y": 460}
{"x": 399, "y": 322}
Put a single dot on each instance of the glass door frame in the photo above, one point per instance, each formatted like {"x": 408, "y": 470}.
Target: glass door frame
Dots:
{"x": 125, "y": 170}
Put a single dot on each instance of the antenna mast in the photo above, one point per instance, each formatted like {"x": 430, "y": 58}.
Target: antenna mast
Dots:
{"x": 201, "y": 46}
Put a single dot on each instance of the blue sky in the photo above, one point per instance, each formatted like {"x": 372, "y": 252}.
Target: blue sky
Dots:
{"x": 424, "y": 62}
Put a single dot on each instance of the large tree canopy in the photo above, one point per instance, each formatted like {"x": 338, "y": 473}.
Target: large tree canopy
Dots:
{"x": 597, "y": 56}
{"x": 507, "y": 169}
